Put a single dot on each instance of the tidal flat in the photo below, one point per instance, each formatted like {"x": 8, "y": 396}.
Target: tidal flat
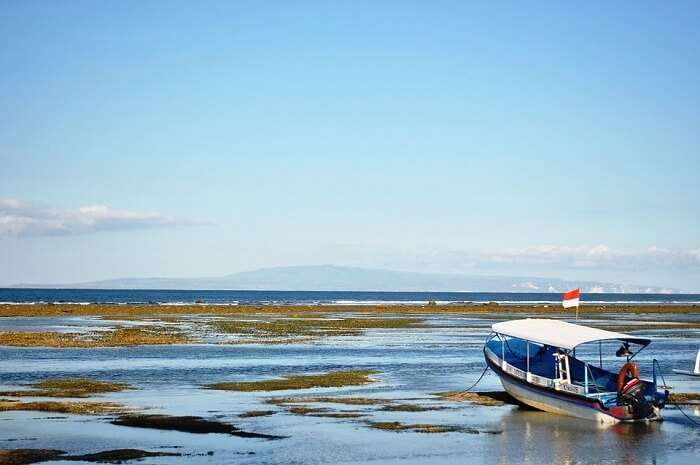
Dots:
{"x": 138, "y": 310}
{"x": 398, "y": 399}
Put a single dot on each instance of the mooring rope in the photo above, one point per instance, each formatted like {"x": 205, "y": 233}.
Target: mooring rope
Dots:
{"x": 477, "y": 381}
{"x": 693, "y": 421}
{"x": 482, "y": 373}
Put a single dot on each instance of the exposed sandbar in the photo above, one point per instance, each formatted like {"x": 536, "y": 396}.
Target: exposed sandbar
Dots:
{"x": 332, "y": 379}
{"x": 68, "y": 387}
{"x": 295, "y": 326}
{"x": 120, "y": 337}
{"x": 690, "y": 398}
{"x": 187, "y": 424}
{"x": 78, "y": 408}
{"x": 329, "y": 400}
{"x": 479, "y": 398}
{"x": 257, "y": 413}
{"x": 420, "y": 427}
{"x": 410, "y": 408}
{"x": 27, "y": 456}
{"x": 153, "y": 310}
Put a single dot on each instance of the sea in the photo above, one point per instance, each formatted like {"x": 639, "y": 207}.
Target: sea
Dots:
{"x": 250, "y": 297}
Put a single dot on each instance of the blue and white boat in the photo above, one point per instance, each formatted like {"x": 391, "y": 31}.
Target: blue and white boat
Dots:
{"x": 536, "y": 362}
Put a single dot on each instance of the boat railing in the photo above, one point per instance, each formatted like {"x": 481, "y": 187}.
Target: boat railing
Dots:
{"x": 590, "y": 377}
{"x": 533, "y": 378}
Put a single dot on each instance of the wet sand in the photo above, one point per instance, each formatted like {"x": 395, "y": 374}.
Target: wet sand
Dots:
{"x": 399, "y": 417}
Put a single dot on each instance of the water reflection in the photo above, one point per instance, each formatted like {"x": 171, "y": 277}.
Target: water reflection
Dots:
{"x": 540, "y": 438}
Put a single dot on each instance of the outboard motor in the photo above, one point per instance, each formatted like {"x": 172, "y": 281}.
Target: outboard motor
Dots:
{"x": 632, "y": 395}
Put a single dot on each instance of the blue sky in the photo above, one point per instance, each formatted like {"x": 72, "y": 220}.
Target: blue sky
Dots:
{"x": 181, "y": 139}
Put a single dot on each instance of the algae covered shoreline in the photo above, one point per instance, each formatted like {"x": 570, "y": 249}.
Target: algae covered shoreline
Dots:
{"x": 127, "y": 310}
{"x": 125, "y": 325}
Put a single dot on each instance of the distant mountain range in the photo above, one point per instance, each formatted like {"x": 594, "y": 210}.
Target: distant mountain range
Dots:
{"x": 339, "y": 278}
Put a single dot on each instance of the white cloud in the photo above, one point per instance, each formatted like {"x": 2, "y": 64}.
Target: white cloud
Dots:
{"x": 19, "y": 219}
{"x": 535, "y": 260}
{"x": 600, "y": 256}
{"x": 530, "y": 286}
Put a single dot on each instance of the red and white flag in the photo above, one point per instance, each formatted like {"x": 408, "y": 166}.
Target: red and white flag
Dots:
{"x": 571, "y": 298}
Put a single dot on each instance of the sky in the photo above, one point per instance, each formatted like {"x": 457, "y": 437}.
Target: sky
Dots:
{"x": 188, "y": 139}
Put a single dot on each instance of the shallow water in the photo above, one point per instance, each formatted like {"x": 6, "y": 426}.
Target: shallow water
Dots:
{"x": 411, "y": 364}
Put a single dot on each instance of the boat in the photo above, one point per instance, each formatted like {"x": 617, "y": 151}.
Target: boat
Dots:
{"x": 536, "y": 362}
{"x": 695, "y": 372}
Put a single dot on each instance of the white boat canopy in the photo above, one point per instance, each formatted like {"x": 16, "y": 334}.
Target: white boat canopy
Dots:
{"x": 559, "y": 333}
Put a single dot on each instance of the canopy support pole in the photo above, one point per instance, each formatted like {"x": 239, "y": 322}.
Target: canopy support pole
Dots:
{"x": 528, "y": 356}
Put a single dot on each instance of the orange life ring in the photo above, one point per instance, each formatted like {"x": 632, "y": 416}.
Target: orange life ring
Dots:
{"x": 629, "y": 368}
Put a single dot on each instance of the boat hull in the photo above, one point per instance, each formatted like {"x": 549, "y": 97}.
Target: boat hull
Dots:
{"x": 549, "y": 400}
{"x": 552, "y": 404}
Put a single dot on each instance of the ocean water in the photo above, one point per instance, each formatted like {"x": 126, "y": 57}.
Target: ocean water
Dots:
{"x": 234, "y": 297}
